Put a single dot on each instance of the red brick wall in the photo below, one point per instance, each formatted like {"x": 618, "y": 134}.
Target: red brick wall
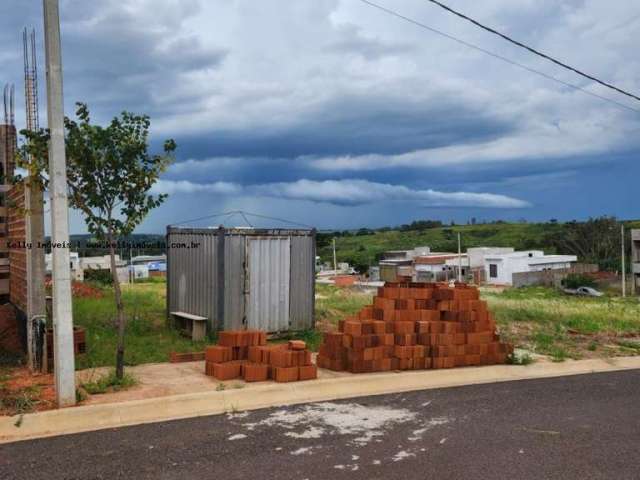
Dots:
{"x": 9, "y": 334}
{"x": 16, "y": 234}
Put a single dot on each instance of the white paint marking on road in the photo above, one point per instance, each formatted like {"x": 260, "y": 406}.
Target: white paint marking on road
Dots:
{"x": 426, "y": 404}
{"x": 434, "y": 422}
{"x": 344, "y": 419}
{"x": 301, "y": 451}
{"x": 313, "y": 432}
{"x": 376, "y": 462}
{"x": 237, "y": 436}
{"x": 402, "y": 455}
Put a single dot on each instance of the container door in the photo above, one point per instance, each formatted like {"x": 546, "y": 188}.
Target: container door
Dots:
{"x": 268, "y": 271}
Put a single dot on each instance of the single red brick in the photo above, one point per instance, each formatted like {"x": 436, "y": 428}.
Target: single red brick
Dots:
{"x": 403, "y": 352}
{"x": 427, "y": 339}
{"x": 255, "y": 372}
{"x": 297, "y": 345}
{"x": 285, "y": 374}
{"x": 405, "y": 339}
{"x": 209, "y": 368}
{"x": 353, "y": 328}
{"x": 384, "y": 303}
{"x": 227, "y": 370}
{"x": 419, "y": 351}
{"x": 472, "y": 359}
{"x": 228, "y": 338}
{"x": 400, "y": 328}
{"x": 218, "y": 354}
{"x": 240, "y": 353}
{"x": 366, "y": 313}
{"x": 308, "y": 372}
{"x": 281, "y": 358}
{"x": 405, "y": 363}
{"x": 367, "y": 327}
{"x": 379, "y": 327}
{"x": 445, "y": 339}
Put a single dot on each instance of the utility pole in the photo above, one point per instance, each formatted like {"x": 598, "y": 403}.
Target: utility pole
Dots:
{"x": 335, "y": 262}
{"x": 624, "y": 267}
{"x": 459, "y": 259}
{"x": 64, "y": 365}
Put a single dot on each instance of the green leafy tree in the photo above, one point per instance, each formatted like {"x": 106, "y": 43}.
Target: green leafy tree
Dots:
{"x": 110, "y": 175}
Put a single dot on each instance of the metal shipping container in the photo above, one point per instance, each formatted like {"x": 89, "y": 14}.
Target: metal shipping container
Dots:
{"x": 240, "y": 278}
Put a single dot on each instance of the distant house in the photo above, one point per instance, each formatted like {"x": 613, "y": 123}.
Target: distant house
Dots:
{"x": 100, "y": 263}
{"x": 477, "y": 257}
{"x": 439, "y": 267}
{"x": 74, "y": 265}
{"x": 500, "y": 268}
{"x": 395, "y": 263}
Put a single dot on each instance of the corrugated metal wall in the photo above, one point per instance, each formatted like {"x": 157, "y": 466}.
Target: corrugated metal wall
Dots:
{"x": 302, "y": 285}
{"x": 268, "y": 271}
{"x": 193, "y": 283}
{"x": 234, "y": 282}
{"x": 191, "y": 274}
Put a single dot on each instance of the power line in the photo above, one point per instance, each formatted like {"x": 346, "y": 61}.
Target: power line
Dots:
{"x": 496, "y": 55}
{"x": 230, "y": 214}
{"x": 532, "y": 50}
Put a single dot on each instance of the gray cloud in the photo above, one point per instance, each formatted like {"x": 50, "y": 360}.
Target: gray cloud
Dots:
{"x": 346, "y": 192}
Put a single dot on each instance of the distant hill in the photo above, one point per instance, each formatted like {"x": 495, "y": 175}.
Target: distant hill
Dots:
{"x": 362, "y": 248}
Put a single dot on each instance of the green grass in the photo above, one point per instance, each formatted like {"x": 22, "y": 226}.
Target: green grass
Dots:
{"x": 148, "y": 339}
{"x": 333, "y": 304}
{"x": 551, "y": 323}
{"x": 109, "y": 383}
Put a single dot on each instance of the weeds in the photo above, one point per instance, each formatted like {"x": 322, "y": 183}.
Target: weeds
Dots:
{"x": 109, "y": 383}
{"x": 518, "y": 358}
{"x": 19, "y": 402}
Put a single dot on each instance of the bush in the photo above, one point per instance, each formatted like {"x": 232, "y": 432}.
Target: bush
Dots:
{"x": 576, "y": 280}
{"x": 102, "y": 277}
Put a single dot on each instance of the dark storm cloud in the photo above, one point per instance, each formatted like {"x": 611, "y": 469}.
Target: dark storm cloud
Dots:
{"x": 355, "y": 125}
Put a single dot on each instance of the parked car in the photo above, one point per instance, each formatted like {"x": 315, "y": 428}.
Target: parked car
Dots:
{"x": 584, "y": 292}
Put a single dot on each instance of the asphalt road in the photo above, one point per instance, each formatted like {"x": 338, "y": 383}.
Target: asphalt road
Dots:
{"x": 580, "y": 427}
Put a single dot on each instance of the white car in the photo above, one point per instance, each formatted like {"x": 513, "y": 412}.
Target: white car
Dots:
{"x": 584, "y": 291}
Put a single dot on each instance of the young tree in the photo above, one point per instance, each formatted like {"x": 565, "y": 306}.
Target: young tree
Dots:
{"x": 109, "y": 174}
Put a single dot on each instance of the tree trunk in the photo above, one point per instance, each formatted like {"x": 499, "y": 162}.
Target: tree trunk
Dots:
{"x": 119, "y": 310}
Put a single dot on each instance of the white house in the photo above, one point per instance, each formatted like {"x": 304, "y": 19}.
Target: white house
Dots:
{"x": 74, "y": 265}
{"x": 499, "y": 269}
{"x": 478, "y": 254}
{"x": 440, "y": 266}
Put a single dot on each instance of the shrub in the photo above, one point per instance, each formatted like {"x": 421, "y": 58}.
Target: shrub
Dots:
{"x": 102, "y": 276}
{"x": 109, "y": 382}
{"x": 575, "y": 280}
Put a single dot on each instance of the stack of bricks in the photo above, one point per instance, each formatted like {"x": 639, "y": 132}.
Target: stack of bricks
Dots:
{"x": 413, "y": 326}
{"x": 245, "y": 354}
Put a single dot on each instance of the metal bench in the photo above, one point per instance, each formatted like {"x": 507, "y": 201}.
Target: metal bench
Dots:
{"x": 193, "y": 326}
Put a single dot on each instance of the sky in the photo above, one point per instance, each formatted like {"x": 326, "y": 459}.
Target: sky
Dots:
{"x": 334, "y": 114}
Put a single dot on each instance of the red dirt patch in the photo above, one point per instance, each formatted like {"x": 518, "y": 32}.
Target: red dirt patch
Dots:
{"x": 22, "y": 392}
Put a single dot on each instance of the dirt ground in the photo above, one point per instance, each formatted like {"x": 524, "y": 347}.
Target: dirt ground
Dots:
{"x": 22, "y": 392}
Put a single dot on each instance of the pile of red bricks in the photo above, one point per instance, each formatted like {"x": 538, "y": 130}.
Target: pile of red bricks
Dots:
{"x": 413, "y": 326}
{"x": 245, "y": 354}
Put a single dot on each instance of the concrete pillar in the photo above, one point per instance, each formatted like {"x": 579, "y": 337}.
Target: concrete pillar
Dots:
{"x": 64, "y": 364}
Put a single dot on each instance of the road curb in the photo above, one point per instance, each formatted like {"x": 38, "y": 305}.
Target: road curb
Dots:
{"x": 112, "y": 415}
